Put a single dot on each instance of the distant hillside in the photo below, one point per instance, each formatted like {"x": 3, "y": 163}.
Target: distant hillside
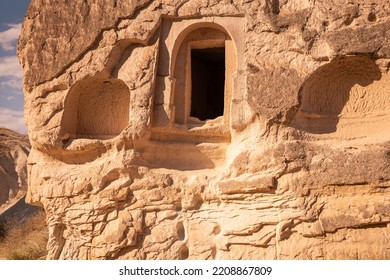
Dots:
{"x": 14, "y": 149}
{"x": 23, "y": 231}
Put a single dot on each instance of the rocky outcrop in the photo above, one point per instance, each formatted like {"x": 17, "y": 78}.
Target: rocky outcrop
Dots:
{"x": 14, "y": 149}
{"x": 130, "y": 161}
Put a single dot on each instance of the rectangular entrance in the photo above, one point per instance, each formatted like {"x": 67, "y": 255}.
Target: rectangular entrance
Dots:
{"x": 207, "y": 83}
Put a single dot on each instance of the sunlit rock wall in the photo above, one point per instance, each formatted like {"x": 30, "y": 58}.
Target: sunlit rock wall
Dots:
{"x": 296, "y": 164}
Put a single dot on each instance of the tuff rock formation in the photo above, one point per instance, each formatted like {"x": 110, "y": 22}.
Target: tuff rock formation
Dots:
{"x": 14, "y": 149}
{"x": 202, "y": 129}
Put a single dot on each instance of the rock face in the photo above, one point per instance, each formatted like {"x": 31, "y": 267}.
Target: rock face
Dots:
{"x": 210, "y": 129}
{"x": 14, "y": 149}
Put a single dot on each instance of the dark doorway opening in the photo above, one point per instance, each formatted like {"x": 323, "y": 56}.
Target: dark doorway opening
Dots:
{"x": 208, "y": 83}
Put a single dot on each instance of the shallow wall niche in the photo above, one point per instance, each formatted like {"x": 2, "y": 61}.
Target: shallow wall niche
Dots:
{"x": 97, "y": 108}
{"x": 348, "y": 98}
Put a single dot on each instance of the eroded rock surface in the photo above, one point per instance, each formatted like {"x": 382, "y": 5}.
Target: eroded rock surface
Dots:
{"x": 129, "y": 162}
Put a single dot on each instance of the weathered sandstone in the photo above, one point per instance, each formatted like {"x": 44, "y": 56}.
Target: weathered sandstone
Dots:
{"x": 143, "y": 148}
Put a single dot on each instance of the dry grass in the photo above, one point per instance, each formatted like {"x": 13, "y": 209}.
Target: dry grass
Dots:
{"x": 26, "y": 241}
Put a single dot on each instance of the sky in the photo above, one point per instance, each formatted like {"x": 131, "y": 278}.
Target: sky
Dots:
{"x": 11, "y": 94}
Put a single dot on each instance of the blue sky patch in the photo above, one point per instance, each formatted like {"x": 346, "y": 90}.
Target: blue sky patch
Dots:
{"x": 11, "y": 94}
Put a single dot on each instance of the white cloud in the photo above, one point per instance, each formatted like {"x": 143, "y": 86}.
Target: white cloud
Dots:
{"x": 12, "y": 83}
{"x": 9, "y": 37}
{"x": 10, "y": 67}
{"x": 12, "y": 119}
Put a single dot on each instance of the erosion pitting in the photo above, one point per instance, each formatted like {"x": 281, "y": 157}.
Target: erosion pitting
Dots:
{"x": 210, "y": 129}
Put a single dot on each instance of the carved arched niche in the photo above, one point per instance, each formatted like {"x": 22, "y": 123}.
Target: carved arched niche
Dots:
{"x": 197, "y": 79}
{"x": 96, "y": 108}
{"x": 203, "y": 69}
